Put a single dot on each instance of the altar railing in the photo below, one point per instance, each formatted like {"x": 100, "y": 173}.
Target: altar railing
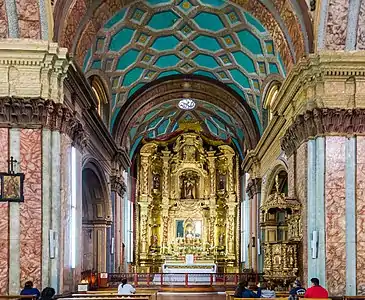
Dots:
{"x": 182, "y": 279}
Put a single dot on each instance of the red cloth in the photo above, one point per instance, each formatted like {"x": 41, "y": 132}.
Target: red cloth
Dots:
{"x": 316, "y": 292}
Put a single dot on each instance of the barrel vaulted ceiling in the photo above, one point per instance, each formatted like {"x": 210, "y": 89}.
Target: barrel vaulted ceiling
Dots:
{"x": 156, "y": 38}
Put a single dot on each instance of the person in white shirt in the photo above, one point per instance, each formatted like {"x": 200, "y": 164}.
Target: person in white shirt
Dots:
{"x": 125, "y": 288}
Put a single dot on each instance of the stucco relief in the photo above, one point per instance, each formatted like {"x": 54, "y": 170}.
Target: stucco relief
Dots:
{"x": 29, "y": 19}
{"x": 337, "y": 24}
{"x": 361, "y": 28}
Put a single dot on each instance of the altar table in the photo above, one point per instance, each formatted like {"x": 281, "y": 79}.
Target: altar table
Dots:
{"x": 198, "y": 274}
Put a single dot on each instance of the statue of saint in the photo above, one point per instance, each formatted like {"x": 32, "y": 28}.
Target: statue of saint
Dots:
{"x": 188, "y": 188}
{"x": 154, "y": 240}
{"x": 156, "y": 181}
{"x": 221, "y": 239}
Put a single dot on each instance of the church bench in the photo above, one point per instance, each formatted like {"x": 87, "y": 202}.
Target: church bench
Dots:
{"x": 354, "y": 297}
{"x": 17, "y": 297}
{"x": 130, "y": 297}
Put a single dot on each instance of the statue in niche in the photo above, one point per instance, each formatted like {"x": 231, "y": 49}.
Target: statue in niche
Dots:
{"x": 222, "y": 182}
{"x": 154, "y": 240}
{"x": 221, "y": 240}
{"x": 188, "y": 186}
{"x": 189, "y": 153}
{"x": 156, "y": 181}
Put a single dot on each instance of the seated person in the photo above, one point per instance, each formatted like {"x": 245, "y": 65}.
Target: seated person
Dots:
{"x": 125, "y": 288}
{"x": 316, "y": 291}
{"x": 29, "y": 290}
{"x": 48, "y": 293}
{"x": 266, "y": 291}
{"x": 297, "y": 290}
{"x": 242, "y": 291}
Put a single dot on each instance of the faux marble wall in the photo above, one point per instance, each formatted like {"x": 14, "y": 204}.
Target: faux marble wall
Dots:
{"x": 301, "y": 194}
{"x": 335, "y": 206}
{"x": 4, "y": 228}
{"x": 360, "y": 211}
{"x": 31, "y": 209}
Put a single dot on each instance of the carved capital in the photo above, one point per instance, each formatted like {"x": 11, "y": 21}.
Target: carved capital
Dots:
{"x": 253, "y": 187}
{"x": 322, "y": 121}
{"x": 118, "y": 185}
{"x": 38, "y": 112}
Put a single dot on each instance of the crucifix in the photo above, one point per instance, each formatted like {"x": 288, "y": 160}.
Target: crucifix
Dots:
{"x": 11, "y": 163}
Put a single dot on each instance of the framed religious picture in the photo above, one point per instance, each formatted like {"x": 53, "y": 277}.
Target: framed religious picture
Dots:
{"x": 11, "y": 189}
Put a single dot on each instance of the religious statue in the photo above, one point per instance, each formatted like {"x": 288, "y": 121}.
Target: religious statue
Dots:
{"x": 156, "y": 181}
{"x": 188, "y": 186}
{"x": 154, "y": 241}
{"x": 221, "y": 184}
{"x": 221, "y": 239}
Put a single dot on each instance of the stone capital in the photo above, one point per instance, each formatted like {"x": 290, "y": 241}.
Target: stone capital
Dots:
{"x": 320, "y": 122}
{"x": 38, "y": 112}
{"x": 118, "y": 185}
{"x": 253, "y": 187}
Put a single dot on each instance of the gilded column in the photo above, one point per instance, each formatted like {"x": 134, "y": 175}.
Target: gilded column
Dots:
{"x": 165, "y": 198}
{"x": 212, "y": 197}
{"x": 144, "y": 228}
{"x": 230, "y": 229}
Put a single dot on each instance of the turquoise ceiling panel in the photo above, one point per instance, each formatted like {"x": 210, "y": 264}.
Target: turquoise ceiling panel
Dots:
{"x": 244, "y": 60}
{"x": 132, "y": 76}
{"x": 163, "y": 20}
{"x": 135, "y": 89}
{"x": 240, "y": 78}
{"x": 250, "y": 41}
{"x": 213, "y": 3}
{"x": 208, "y": 21}
{"x": 213, "y": 129}
{"x": 224, "y": 116}
{"x": 219, "y": 123}
{"x": 253, "y": 21}
{"x": 154, "y": 123}
{"x": 167, "y": 61}
{"x": 273, "y": 68}
{"x": 168, "y": 73}
{"x": 133, "y": 132}
{"x": 156, "y": 38}
{"x": 206, "y": 61}
{"x": 163, "y": 127}
{"x": 205, "y": 73}
{"x": 151, "y": 114}
{"x": 207, "y": 43}
{"x": 165, "y": 43}
{"x": 119, "y": 16}
{"x": 121, "y": 39}
{"x": 127, "y": 59}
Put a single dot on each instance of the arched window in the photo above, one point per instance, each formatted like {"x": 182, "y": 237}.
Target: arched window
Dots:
{"x": 102, "y": 98}
{"x": 270, "y": 99}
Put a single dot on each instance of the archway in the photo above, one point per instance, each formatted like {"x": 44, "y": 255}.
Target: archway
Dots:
{"x": 96, "y": 218}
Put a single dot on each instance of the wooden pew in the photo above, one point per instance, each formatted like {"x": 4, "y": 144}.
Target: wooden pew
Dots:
{"x": 18, "y": 297}
{"x": 354, "y": 298}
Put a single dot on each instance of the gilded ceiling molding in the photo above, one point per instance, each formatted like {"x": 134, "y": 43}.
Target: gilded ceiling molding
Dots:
{"x": 37, "y": 112}
{"x": 177, "y": 87}
{"x": 322, "y": 121}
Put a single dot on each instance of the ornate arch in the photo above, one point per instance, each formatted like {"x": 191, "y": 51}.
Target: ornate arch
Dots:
{"x": 270, "y": 178}
{"x": 182, "y": 86}
{"x": 288, "y": 21}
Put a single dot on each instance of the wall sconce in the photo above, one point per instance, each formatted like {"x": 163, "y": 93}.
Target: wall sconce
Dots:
{"x": 11, "y": 189}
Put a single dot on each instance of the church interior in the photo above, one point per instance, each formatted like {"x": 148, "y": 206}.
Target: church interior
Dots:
{"x": 185, "y": 145}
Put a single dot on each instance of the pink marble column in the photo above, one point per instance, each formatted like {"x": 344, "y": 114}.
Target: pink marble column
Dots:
{"x": 335, "y": 208}
{"x": 4, "y": 228}
{"x": 31, "y": 209}
{"x": 360, "y": 212}
{"x": 301, "y": 170}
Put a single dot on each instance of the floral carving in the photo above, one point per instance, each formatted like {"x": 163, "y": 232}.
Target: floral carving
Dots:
{"x": 322, "y": 121}
{"x": 337, "y": 24}
{"x": 27, "y": 112}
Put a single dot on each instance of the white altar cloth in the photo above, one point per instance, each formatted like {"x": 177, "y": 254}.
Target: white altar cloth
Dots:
{"x": 198, "y": 274}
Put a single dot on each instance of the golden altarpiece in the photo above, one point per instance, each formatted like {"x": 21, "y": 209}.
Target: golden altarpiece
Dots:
{"x": 187, "y": 203}
{"x": 280, "y": 222}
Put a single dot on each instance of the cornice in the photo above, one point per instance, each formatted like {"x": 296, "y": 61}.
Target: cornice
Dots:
{"x": 253, "y": 187}
{"x": 38, "y": 112}
{"x": 118, "y": 185}
{"x": 319, "y": 122}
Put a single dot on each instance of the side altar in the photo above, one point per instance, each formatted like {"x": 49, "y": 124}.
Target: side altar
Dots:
{"x": 187, "y": 204}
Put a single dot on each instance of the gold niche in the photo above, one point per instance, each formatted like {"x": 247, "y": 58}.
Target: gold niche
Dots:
{"x": 187, "y": 196}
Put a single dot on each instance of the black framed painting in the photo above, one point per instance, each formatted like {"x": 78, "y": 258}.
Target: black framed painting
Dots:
{"x": 12, "y": 187}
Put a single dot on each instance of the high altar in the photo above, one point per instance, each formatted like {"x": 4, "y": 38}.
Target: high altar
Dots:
{"x": 187, "y": 204}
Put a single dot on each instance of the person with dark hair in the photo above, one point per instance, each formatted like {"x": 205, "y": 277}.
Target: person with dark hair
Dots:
{"x": 29, "y": 290}
{"x": 297, "y": 290}
{"x": 316, "y": 291}
{"x": 48, "y": 293}
{"x": 242, "y": 291}
{"x": 266, "y": 291}
{"x": 125, "y": 288}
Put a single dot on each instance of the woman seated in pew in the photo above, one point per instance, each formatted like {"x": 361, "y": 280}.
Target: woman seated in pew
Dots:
{"x": 125, "y": 288}
{"x": 266, "y": 291}
{"x": 30, "y": 290}
{"x": 243, "y": 291}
